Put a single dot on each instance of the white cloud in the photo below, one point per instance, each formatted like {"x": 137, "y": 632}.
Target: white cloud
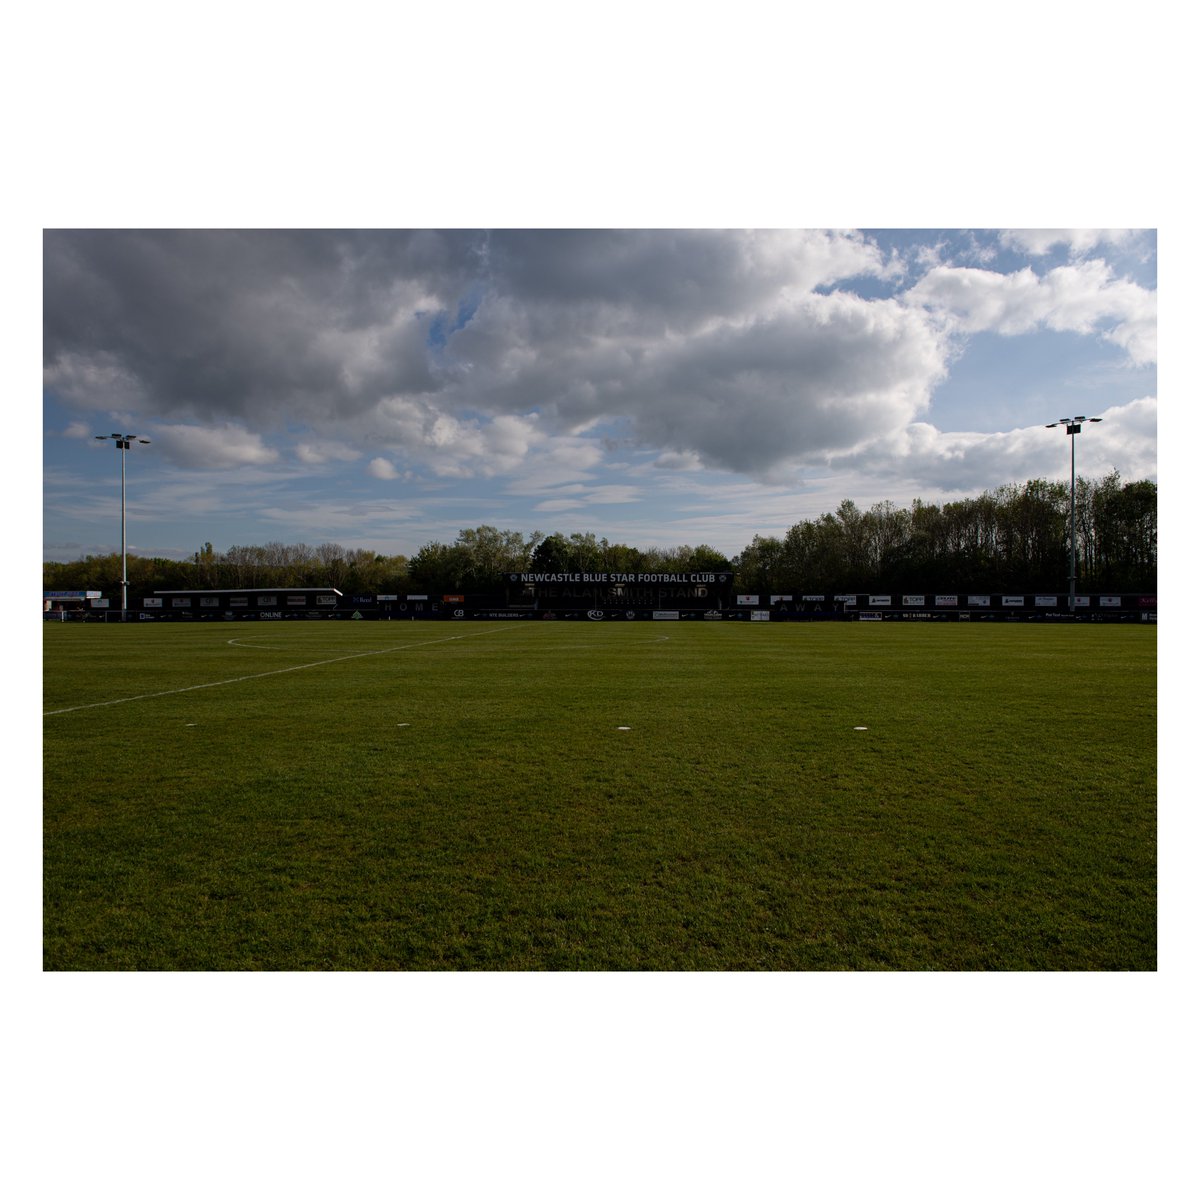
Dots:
{"x": 966, "y": 463}
{"x": 313, "y": 454}
{"x": 381, "y": 468}
{"x": 1079, "y": 298}
{"x": 1078, "y": 241}
{"x": 212, "y": 448}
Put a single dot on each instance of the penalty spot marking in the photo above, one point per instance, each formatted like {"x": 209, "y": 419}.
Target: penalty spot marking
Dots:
{"x": 858, "y": 727}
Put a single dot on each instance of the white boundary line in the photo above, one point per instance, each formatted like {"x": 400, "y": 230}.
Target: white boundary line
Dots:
{"x": 279, "y": 671}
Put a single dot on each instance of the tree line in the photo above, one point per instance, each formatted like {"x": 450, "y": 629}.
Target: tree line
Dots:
{"x": 1015, "y": 537}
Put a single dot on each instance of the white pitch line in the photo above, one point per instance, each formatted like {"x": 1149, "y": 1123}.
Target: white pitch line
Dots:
{"x": 263, "y": 674}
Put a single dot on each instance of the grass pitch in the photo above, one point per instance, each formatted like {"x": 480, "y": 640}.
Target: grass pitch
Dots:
{"x": 429, "y": 796}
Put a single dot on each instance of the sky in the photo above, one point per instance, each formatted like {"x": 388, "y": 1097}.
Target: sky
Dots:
{"x": 387, "y": 388}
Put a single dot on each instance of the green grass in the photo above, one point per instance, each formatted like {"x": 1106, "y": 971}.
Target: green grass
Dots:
{"x": 471, "y": 804}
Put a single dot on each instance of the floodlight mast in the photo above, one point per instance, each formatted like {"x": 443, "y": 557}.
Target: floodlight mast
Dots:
{"x": 123, "y": 441}
{"x": 1074, "y": 425}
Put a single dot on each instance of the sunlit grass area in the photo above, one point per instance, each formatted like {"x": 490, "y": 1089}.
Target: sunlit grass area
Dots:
{"x": 577, "y": 796}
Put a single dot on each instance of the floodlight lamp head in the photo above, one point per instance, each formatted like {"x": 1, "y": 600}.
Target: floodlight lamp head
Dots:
{"x": 1095, "y": 420}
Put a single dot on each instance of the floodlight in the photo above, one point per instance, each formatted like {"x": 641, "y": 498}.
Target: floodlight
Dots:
{"x": 1074, "y": 425}
{"x": 123, "y": 442}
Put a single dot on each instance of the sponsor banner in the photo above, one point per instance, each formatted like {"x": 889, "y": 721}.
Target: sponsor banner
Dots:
{"x": 1045, "y": 601}
{"x": 881, "y": 601}
{"x": 362, "y": 600}
{"x": 70, "y": 595}
{"x": 848, "y": 601}
{"x": 1147, "y": 602}
{"x": 392, "y": 596}
{"x": 747, "y": 600}
{"x": 914, "y": 600}
{"x": 595, "y": 614}
{"x": 267, "y": 601}
{"x": 1083, "y": 602}
{"x": 980, "y": 601}
{"x": 870, "y": 616}
{"x": 454, "y": 599}
{"x": 1110, "y": 601}
{"x": 327, "y": 601}
{"x": 814, "y": 599}
{"x": 181, "y": 602}
{"x": 239, "y": 601}
{"x": 295, "y": 601}
{"x": 666, "y": 616}
{"x": 210, "y": 602}
{"x": 761, "y": 615}
{"x": 99, "y": 603}
{"x": 153, "y": 602}
{"x": 416, "y": 597}
{"x": 711, "y": 615}
{"x": 1013, "y": 601}
{"x": 946, "y": 601}
{"x": 777, "y": 599}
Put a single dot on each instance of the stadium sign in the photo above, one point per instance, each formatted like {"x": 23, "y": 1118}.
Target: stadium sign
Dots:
{"x": 1013, "y": 601}
{"x": 916, "y": 601}
{"x": 881, "y": 601}
{"x": 747, "y": 600}
{"x": 980, "y": 601}
{"x": 1046, "y": 601}
{"x": 946, "y": 601}
{"x": 606, "y": 577}
{"x": 1110, "y": 601}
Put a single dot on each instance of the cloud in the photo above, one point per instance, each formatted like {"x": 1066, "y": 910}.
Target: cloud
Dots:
{"x": 1078, "y": 241}
{"x": 211, "y": 448}
{"x": 960, "y": 463}
{"x": 259, "y": 327}
{"x": 530, "y": 355}
{"x": 316, "y": 453}
{"x": 380, "y": 468}
{"x": 1079, "y": 298}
